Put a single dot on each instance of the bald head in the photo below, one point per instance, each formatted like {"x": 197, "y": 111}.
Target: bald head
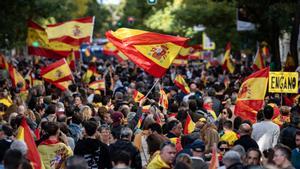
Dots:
{"x": 245, "y": 129}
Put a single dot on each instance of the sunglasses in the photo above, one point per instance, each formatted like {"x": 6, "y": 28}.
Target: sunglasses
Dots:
{"x": 224, "y": 149}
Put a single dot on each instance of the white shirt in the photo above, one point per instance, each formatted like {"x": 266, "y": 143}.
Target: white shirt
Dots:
{"x": 266, "y": 134}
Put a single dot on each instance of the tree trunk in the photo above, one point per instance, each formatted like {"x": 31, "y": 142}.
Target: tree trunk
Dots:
{"x": 274, "y": 43}
{"x": 295, "y": 35}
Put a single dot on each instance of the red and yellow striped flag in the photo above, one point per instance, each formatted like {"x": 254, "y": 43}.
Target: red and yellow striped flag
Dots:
{"x": 227, "y": 63}
{"x": 265, "y": 51}
{"x": 24, "y": 134}
{"x": 63, "y": 86}
{"x": 251, "y": 95}
{"x": 3, "y": 62}
{"x": 258, "y": 62}
{"x": 97, "y": 85}
{"x": 180, "y": 82}
{"x": 74, "y": 32}
{"x": 139, "y": 124}
{"x": 38, "y": 44}
{"x": 137, "y": 96}
{"x": 16, "y": 78}
{"x": 152, "y": 52}
{"x": 58, "y": 71}
{"x": 71, "y": 60}
{"x": 189, "y": 125}
{"x": 163, "y": 99}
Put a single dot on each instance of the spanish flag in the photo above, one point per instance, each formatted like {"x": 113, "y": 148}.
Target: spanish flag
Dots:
{"x": 3, "y": 62}
{"x": 180, "y": 82}
{"x": 109, "y": 49}
{"x": 180, "y": 62}
{"x": 74, "y": 32}
{"x": 189, "y": 125}
{"x": 137, "y": 96}
{"x": 71, "y": 60}
{"x": 58, "y": 71}
{"x": 63, "y": 86}
{"x": 265, "y": 51}
{"x": 258, "y": 62}
{"x": 227, "y": 63}
{"x": 139, "y": 123}
{"x": 152, "y": 52}
{"x": 163, "y": 99}
{"x": 251, "y": 95}
{"x": 24, "y": 134}
{"x": 91, "y": 71}
{"x": 97, "y": 85}
{"x": 16, "y": 78}
{"x": 38, "y": 44}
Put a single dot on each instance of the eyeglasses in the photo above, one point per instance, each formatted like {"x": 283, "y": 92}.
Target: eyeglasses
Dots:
{"x": 224, "y": 149}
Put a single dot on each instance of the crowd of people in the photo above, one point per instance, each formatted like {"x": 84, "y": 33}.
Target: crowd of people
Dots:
{"x": 81, "y": 128}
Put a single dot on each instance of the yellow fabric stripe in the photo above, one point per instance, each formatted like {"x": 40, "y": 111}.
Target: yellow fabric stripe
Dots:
{"x": 124, "y": 33}
{"x": 69, "y": 28}
{"x": 35, "y": 35}
{"x": 253, "y": 89}
{"x": 170, "y": 51}
{"x": 58, "y": 73}
{"x": 20, "y": 135}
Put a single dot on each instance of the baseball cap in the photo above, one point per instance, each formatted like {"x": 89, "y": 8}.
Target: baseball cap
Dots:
{"x": 198, "y": 145}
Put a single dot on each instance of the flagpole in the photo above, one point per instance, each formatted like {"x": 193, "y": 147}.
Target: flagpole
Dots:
{"x": 152, "y": 87}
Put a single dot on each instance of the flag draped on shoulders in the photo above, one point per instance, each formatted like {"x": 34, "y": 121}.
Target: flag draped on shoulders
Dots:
{"x": 58, "y": 71}
{"x": 38, "y": 44}
{"x": 25, "y": 134}
{"x": 152, "y": 52}
{"x": 227, "y": 63}
{"x": 251, "y": 95}
{"x": 73, "y": 32}
{"x": 180, "y": 82}
{"x": 258, "y": 62}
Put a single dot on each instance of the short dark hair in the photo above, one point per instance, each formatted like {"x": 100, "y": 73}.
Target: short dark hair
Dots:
{"x": 222, "y": 142}
{"x": 76, "y": 162}
{"x": 285, "y": 150}
{"x": 51, "y": 109}
{"x": 121, "y": 157}
{"x": 227, "y": 124}
{"x": 268, "y": 112}
{"x": 51, "y": 128}
{"x": 255, "y": 149}
{"x": 298, "y": 132}
{"x": 77, "y": 118}
{"x": 172, "y": 124}
{"x": 155, "y": 127}
{"x": 90, "y": 127}
{"x": 166, "y": 143}
{"x": 12, "y": 159}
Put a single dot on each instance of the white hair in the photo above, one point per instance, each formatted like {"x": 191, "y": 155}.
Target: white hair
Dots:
{"x": 232, "y": 157}
{"x": 19, "y": 145}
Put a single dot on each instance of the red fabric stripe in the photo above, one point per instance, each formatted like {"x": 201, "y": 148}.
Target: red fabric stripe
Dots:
{"x": 34, "y": 25}
{"x": 52, "y": 66}
{"x": 186, "y": 125}
{"x": 72, "y": 41}
{"x": 245, "y": 109}
{"x": 12, "y": 75}
{"x": 81, "y": 20}
{"x": 181, "y": 86}
{"x": 262, "y": 73}
{"x": 69, "y": 77}
{"x": 54, "y": 54}
{"x": 153, "y": 38}
{"x": 62, "y": 88}
{"x": 148, "y": 65}
{"x": 32, "y": 154}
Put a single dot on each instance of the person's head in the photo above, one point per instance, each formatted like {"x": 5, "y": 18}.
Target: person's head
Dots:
{"x": 245, "y": 129}
{"x": 297, "y": 139}
{"x": 76, "y": 162}
{"x": 19, "y": 145}
{"x": 105, "y": 132}
{"x": 231, "y": 157}
{"x": 107, "y": 118}
{"x": 77, "y": 100}
{"x": 282, "y": 155}
{"x": 52, "y": 129}
{"x": 126, "y": 133}
{"x": 90, "y": 127}
{"x": 117, "y": 117}
{"x": 227, "y": 125}
{"x": 183, "y": 157}
{"x": 260, "y": 116}
{"x": 198, "y": 148}
{"x": 253, "y": 157}
{"x": 5, "y": 131}
{"x": 77, "y": 118}
{"x": 122, "y": 157}
{"x": 239, "y": 149}
{"x": 226, "y": 113}
{"x": 223, "y": 146}
{"x": 13, "y": 159}
{"x": 268, "y": 112}
{"x": 51, "y": 109}
{"x": 182, "y": 165}
{"x": 168, "y": 152}
{"x": 155, "y": 128}
{"x": 154, "y": 141}
{"x": 86, "y": 112}
{"x": 175, "y": 127}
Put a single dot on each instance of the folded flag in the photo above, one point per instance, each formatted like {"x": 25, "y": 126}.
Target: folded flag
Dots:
{"x": 58, "y": 71}
{"x": 137, "y": 96}
{"x": 74, "y": 32}
{"x": 97, "y": 85}
{"x": 251, "y": 95}
{"x": 258, "y": 62}
{"x": 180, "y": 82}
{"x": 152, "y": 52}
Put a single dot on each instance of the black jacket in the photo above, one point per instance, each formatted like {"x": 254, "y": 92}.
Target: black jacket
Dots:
{"x": 95, "y": 153}
{"x": 236, "y": 166}
{"x": 247, "y": 142}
